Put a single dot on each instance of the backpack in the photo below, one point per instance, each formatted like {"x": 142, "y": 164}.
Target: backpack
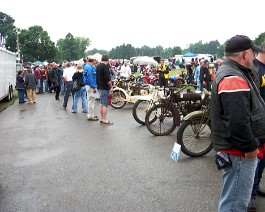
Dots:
{"x": 76, "y": 84}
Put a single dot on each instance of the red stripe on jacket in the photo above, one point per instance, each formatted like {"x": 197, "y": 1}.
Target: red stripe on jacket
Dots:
{"x": 232, "y": 84}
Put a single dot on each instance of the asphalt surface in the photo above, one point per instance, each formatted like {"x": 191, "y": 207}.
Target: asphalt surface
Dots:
{"x": 54, "y": 160}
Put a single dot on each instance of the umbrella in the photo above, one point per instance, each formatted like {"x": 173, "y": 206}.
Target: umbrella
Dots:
{"x": 145, "y": 61}
{"x": 37, "y": 63}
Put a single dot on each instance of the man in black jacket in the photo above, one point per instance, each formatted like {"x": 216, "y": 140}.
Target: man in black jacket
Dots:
{"x": 258, "y": 71}
{"x": 238, "y": 123}
{"x": 205, "y": 75}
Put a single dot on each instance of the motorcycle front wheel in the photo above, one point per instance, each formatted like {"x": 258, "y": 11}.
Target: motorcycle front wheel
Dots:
{"x": 118, "y": 99}
{"x": 194, "y": 136}
{"x": 140, "y": 109}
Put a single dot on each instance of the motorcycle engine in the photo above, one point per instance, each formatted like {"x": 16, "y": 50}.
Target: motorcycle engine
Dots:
{"x": 143, "y": 92}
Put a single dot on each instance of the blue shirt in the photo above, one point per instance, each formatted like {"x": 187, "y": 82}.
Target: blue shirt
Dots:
{"x": 90, "y": 76}
{"x": 197, "y": 74}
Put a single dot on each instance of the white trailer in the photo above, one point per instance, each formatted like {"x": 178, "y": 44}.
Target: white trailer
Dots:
{"x": 7, "y": 74}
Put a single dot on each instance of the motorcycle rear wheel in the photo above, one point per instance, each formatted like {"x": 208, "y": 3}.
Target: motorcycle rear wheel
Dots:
{"x": 160, "y": 120}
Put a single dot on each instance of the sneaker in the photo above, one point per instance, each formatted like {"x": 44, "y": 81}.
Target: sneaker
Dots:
{"x": 64, "y": 108}
{"x": 92, "y": 119}
{"x": 73, "y": 111}
{"x": 251, "y": 205}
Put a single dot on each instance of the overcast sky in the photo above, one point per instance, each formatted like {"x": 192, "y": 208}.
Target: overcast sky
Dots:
{"x": 109, "y": 23}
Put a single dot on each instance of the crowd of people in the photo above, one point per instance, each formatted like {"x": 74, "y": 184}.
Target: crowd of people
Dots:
{"x": 237, "y": 86}
{"x": 90, "y": 81}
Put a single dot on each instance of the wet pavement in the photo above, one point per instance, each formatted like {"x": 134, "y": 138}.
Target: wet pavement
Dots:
{"x": 54, "y": 160}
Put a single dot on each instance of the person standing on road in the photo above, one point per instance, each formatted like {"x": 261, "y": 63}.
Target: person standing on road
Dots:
{"x": 91, "y": 87}
{"x": 205, "y": 77}
{"x": 238, "y": 123}
{"x": 31, "y": 84}
{"x": 56, "y": 80}
{"x": 104, "y": 88}
{"x": 197, "y": 76}
{"x": 67, "y": 77}
{"x": 258, "y": 70}
{"x": 163, "y": 73}
{"x": 78, "y": 75}
{"x": 20, "y": 87}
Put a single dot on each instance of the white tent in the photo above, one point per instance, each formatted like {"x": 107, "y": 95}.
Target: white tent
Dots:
{"x": 96, "y": 56}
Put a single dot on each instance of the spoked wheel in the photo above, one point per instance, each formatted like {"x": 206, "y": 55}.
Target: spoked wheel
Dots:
{"x": 194, "y": 136}
{"x": 140, "y": 109}
{"x": 118, "y": 99}
{"x": 139, "y": 80}
{"x": 160, "y": 120}
{"x": 155, "y": 82}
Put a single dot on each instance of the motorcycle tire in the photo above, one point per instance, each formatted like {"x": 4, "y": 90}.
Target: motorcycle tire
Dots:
{"x": 160, "y": 120}
{"x": 139, "y": 80}
{"x": 116, "y": 102}
{"x": 194, "y": 136}
{"x": 140, "y": 109}
{"x": 155, "y": 82}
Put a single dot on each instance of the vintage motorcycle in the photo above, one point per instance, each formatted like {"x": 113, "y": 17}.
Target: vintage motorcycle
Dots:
{"x": 194, "y": 134}
{"x": 130, "y": 92}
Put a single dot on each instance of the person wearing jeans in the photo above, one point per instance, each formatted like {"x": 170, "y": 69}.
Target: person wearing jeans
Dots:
{"x": 82, "y": 93}
{"x": 236, "y": 181}
{"x": 67, "y": 77}
{"x": 78, "y": 76}
{"x": 237, "y": 123}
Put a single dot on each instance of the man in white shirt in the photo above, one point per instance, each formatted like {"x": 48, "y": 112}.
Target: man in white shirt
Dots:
{"x": 125, "y": 71}
{"x": 67, "y": 77}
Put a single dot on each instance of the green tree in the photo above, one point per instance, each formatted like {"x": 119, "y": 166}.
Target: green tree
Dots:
{"x": 260, "y": 39}
{"x": 36, "y": 44}
{"x": 72, "y": 48}
{"x": 8, "y": 32}
{"x": 94, "y": 51}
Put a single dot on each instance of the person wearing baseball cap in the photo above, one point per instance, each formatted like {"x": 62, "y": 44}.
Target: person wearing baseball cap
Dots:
{"x": 258, "y": 71}
{"x": 238, "y": 123}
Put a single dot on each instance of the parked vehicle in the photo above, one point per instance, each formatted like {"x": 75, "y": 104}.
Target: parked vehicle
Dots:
{"x": 147, "y": 78}
{"x": 7, "y": 74}
{"x": 130, "y": 93}
{"x": 194, "y": 134}
{"x": 141, "y": 106}
{"x": 165, "y": 116}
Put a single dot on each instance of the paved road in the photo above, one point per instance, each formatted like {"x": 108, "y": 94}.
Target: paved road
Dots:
{"x": 53, "y": 160}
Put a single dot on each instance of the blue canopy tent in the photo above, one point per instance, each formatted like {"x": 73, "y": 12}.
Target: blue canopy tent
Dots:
{"x": 189, "y": 54}
{"x": 37, "y": 63}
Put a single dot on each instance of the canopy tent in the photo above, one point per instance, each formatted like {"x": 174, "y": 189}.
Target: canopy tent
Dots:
{"x": 189, "y": 54}
{"x": 96, "y": 56}
{"x": 145, "y": 61}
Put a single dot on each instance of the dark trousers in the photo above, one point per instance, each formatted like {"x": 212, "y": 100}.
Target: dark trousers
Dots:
{"x": 162, "y": 81}
{"x": 258, "y": 176}
{"x": 68, "y": 90}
